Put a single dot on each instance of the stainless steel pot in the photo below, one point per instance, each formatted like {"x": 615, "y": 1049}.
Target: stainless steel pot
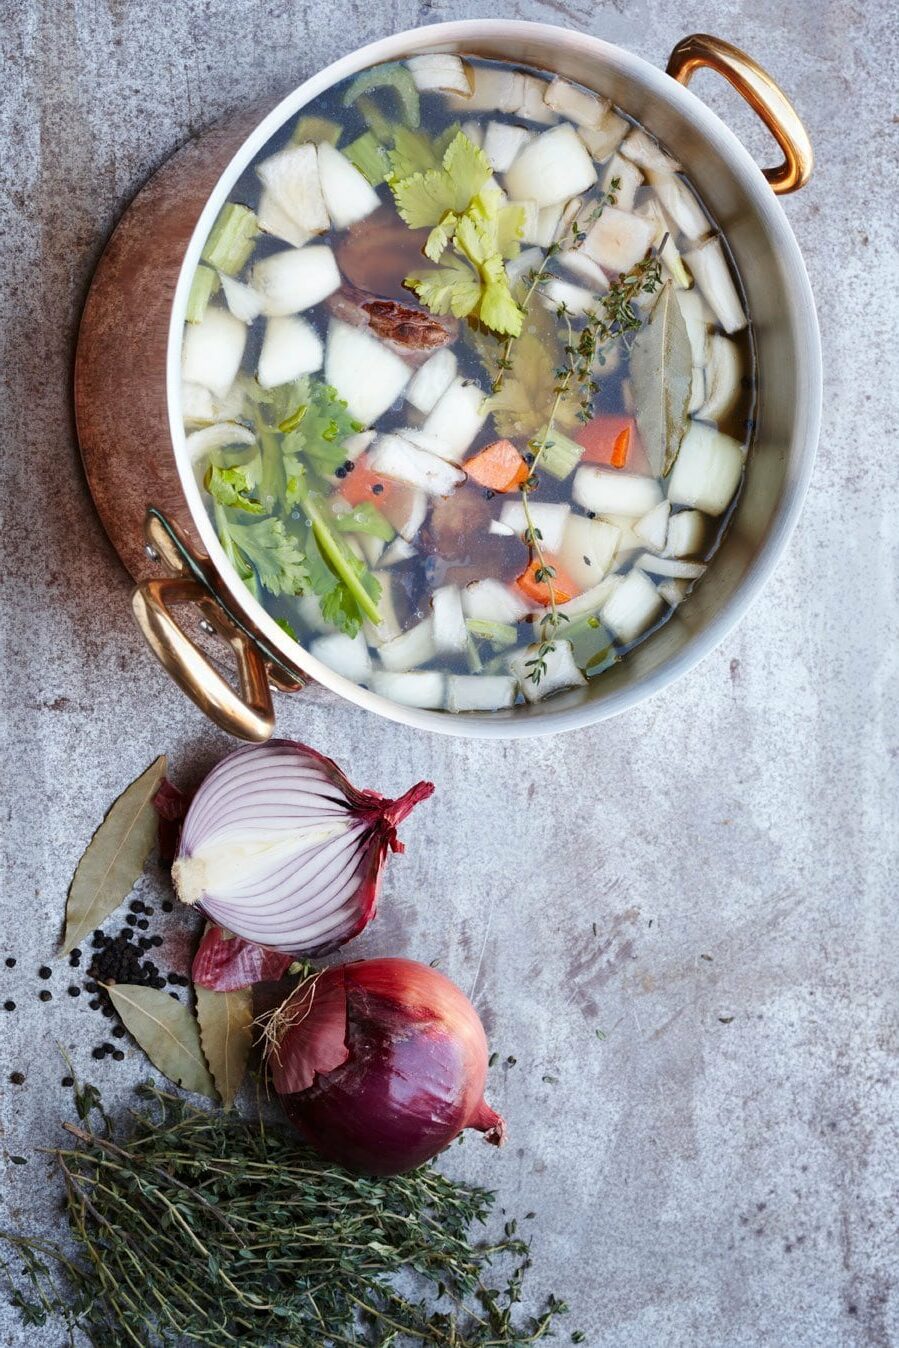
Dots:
{"x": 127, "y": 381}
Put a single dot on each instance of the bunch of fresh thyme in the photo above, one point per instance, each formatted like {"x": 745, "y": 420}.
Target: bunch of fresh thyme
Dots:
{"x": 203, "y": 1228}
{"x": 615, "y": 319}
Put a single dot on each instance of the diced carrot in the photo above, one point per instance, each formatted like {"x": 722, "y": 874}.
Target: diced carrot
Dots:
{"x": 361, "y": 484}
{"x": 563, "y": 587}
{"x": 499, "y": 467}
{"x": 613, "y": 440}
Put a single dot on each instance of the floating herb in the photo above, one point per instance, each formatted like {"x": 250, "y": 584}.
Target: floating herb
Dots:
{"x": 205, "y": 1228}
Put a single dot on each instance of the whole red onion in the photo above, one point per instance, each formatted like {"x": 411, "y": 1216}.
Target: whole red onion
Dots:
{"x": 380, "y": 1064}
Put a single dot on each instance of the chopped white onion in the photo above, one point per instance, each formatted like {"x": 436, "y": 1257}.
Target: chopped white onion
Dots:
{"x": 612, "y": 492}
{"x": 629, "y": 180}
{"x": 450, "y": 632}
{"x": 367, "y": 374}
{"x": 722, "y": 378}
{"x": 587, "y": 549}
{"x": 712, "y": 274}
{"x": 274, "y": 220}
{"x": 407, "y": 512}
{"x": 551, "y": 168}
{"x": 582, "y": 107}
{"x": 213, "y": 350}
{"x": 652, "y": 529}
{"x": 420, "y": 688}
{"x": 295, "y": 279}
{"x": 584, "y": 268}
{"x": 592, "y": 600}
{"x": 646, "y": 153}
{"x": 502, "y": 144}
{"x": 291, "y": 347}
{"x": 618, "y": 239}
{"x": 576, "y": 299}
{"x": 196, "y": 403}
{"x": 491, "y": 601}
{"x": 533, "y": 106}
{"x": 699, "y": 319}
{"x": 397, "y": 458}
{"x": 456, "y": 418}
{"x": 431, "y": 380}
{"x": 440, "y": 71}
{"x": 479, "y": 692}
{"x": 633, "y": 606}
{"x": 222, "y": 435}
{"x": 292, "y": 178}
{"x": 398, "y": 551}
{"x": 561, "y": 670}
{"x": 679, "y": 203}
{"x": 674, "y": 592}
{"x": 549, "y": 521}
{"x": 411, "y": 648}
{"x": 686, "y": 534}
{"x": 348, "y": 194}
{"x": 707, "y": 470}
{"x": 389, "y": 626}
{"x": 529, "y": 259}
{"x": 241, "y": 299}
{"x": 604, "y": 140}
{"x": 670, "y": 567}
{"x": 348, "y": 656}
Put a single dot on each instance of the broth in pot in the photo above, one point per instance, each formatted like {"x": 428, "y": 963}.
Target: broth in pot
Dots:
{"x": 467, "y": 381}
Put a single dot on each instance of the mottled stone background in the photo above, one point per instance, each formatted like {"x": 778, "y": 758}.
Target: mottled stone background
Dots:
{"x": 720, "y": 1170}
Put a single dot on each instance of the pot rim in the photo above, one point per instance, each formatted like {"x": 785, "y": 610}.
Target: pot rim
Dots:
{"x": 800, "y": 313}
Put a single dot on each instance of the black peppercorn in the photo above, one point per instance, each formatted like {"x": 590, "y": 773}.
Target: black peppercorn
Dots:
{"x": 10, "y": 962}
{"x": 174, "y": 994}
{"x": 44, "y": 972}
{"x": 17, "y": 1078}
{"x": 74, "y": 991}
{"x": 143, "y": 924}
{"x": 118, "y": 1031}
{"x": 94, "y": 1003}
{"x": 97, "y": 1053}
{"x": 378, "y": 488}
{"x": 118, "y": 1055}
{"x": 131, "y": 920}
{"x": 148, "y": 912}
{"x": 167, "y": 906}
{"x": 340, "y": 472}
{"x": 45, "y": 995}
{"x": 67, "y": 1082}
{"x": 9, "y": 1006}
{"x": 156, "y": 940}
{"x": 136, "y": 906}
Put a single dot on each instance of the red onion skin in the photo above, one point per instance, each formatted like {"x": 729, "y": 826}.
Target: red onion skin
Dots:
{"x": 229, "y": 963}
{"x": 416, "y": 1064}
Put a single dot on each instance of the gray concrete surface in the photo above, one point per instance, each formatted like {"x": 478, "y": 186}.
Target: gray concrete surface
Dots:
{"x": 720, "y": 1170}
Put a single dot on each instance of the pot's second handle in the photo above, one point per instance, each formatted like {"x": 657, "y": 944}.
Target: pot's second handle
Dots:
{"x": 761, "y": 93}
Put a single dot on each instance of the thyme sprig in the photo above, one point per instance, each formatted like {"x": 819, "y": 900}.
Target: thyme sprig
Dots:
{"x": 197, "y": 1227}
{"x": 614, "y": 320}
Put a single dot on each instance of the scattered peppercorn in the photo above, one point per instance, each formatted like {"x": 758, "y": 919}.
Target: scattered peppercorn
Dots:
{"x": 91, "y": 987}
{"x": 156, "y": 940}
{"x": 74, "y": 991}
{"x": 136, "y": 906}
{"x": 118, "y": 1031}
{"x": 340, "y": 472}
{"x": 131, "y": 920}
{"x": 44, "y": 972}
{"x": 45, "y": 995}
{"x": 118, "y": 1055}
{"x": 94, "y": 1004}
{"x": 17, "y": 1078}
{"x": 148, "y": 912}
{"x": 10, "y": 962}
{"x": 167, "y": 906}
{"x": 67, "y": 1082}
{"x": 142, "y": 923}
{"x": 97, "y": 1053}
{"x": 378, "y": 488}
{"x": 9, "y": 1006}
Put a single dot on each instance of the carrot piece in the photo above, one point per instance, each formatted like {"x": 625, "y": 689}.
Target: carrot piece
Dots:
{"x": 613, "y": 440}
{"x": 363, "y": 485}
{"x": 499, "y": 467}
{"x": 564, "y": 587}
{"x": 620, "y": 448}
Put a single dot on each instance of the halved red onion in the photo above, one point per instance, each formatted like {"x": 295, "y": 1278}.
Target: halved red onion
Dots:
{"x": 281, "y": 849}
{"x": 380, "y": 1064}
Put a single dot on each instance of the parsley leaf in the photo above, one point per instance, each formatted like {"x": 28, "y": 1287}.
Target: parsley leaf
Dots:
{"x": 231, "y": 487}
{"x": 319, "y": 435}
{"x": 365, "y": 518}
{"x": 338, "y": 604}
{"x": 266, "y": 548}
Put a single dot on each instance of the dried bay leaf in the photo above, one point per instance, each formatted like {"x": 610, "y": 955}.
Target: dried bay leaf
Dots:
{"x": 226, "y": 1036}
{"x": 662, "y": 371}
{"x": 114, "y": 857}
{"x": 167, "y": 1032}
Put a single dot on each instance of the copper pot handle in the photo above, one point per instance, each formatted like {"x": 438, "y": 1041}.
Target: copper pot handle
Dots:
{"x": 763, "y": 96}
{"x": 249, "y": 713}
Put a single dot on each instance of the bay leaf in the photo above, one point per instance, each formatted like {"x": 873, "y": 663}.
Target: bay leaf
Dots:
{"x": 167, "y": 1032}
{"x": 226, "y": 1036}
{"x": 114, "y": 857}
{"x": 662, "y": 371}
